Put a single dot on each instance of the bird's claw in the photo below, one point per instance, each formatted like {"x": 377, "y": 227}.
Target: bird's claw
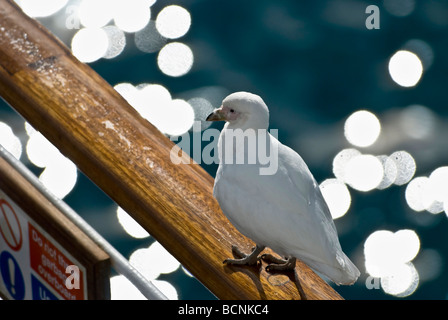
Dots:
{"x": 277, "y": 264}
{"x": 245, "y": 259}
{"x": 237, "y": 252}
{"x": 272, "y": 259}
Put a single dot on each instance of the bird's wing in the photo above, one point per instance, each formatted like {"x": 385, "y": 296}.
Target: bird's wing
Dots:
{"x": 307, "y": 189}
{"x": 318, "y": 245}
{"x": 305, "y": 208}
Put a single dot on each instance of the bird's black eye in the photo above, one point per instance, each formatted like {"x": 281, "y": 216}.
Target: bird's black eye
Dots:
{"x": 232, "y": 111}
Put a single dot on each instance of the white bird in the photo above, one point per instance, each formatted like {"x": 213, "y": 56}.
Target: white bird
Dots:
{"x": 283, "y": 208}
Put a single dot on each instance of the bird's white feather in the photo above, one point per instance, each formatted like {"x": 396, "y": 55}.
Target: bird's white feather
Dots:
{"x": 284, "y": 211}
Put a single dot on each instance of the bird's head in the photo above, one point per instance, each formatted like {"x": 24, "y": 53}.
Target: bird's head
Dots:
{"x": 242, "y": 110}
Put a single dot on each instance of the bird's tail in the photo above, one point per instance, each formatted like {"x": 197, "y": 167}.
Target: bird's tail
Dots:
{"x": 342, "y": 272}
{"x": 348, "y": 272}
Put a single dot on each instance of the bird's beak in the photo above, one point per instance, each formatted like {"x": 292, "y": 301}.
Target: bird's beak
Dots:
{"x": 216, "y": 115}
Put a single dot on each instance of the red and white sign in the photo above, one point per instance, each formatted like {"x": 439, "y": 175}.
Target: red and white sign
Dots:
{"x": 51, "y": 265}
{"x": 33, "y": 265}
{"x": 9, "y": 226}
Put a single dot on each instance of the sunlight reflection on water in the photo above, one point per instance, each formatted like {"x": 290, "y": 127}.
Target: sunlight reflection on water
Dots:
{"x": 388, "y": 256}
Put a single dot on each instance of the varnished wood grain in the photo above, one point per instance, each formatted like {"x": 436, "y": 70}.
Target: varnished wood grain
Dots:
{"x": 129, "y": 159}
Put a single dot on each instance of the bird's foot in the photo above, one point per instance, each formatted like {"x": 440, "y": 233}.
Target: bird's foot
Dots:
{"x": 277, "y": 264}
{"x": 245, "y": 259}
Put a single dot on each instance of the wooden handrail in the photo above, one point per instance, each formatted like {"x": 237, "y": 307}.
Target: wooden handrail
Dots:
{"x": 129, "y": 159}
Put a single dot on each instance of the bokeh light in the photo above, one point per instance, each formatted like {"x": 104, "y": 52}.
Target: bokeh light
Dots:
{"x": 406, "y": 166}
{"x": 90, "y": 44}
{"x": 175, "y": 59}
{"x": 405, "y": 68}
{"x": 60, "y": 174}
{"x": 384, "y": 250}
{"x": 390, "y": 172}
{"x": 439, "y": 184}
{"x": 9, "y": 141}
{"x": 41, "y": 8}
{"x": 153, "y": 261}
{"x": 388, "y": 256}
{"x": 181, "y": 117}
{"x": 399, "y": 8}
{"x": 130, "y": 225}
{"x": 132, "y": 15}
{"x": 418, "y": 122}
{"x": 173, "y": 22}
{"x": 116, "y": 42}
{"x": 95, "y": 13}
{"x": 362, "y": 128}
{"x": 429, "y": 193}
{"x": 417, "y": 194}
{"x": 402, "y": 281}
{"x": 340, "y": 162}
{"x": 336, "y": 196}
{"x": 367, "y": 172}
{"x": 167, "y": 289}
{"x": 364, "y": 172}
{"x": 202, "y": 108}
{"x": 153, "y": 101}
{"x": 149, "y": 39}
{"x": 123, "y": 289}
{"x": 423, "y": 50}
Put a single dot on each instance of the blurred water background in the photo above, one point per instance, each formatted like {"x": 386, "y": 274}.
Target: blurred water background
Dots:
{"x": 358, "y": 91}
